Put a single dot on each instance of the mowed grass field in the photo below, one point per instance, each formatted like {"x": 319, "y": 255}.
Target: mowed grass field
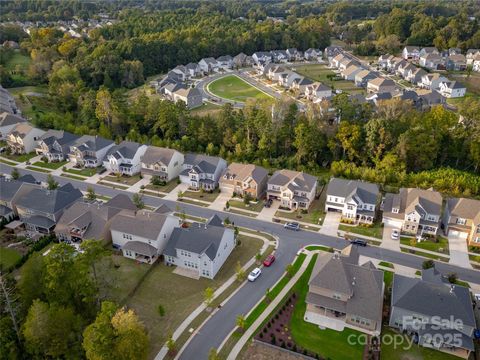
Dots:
{"x": 321, "y": 73}
{"x": 234, "y": 88}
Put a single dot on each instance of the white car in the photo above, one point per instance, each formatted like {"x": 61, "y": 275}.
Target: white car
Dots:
{"x": 254, "y": 274}
{"x": 395, "y": 234}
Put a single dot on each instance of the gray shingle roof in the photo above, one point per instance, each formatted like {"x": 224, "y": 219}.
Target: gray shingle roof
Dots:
{"x": 349, "y": 189}
{"x": 7, "y": 119}
{"x": 140, "y": 248}
{"x": 295, "y": 179}
{"x": 127, "y": 149}
{"x": 145, "y": 224}
{"x": 49, "y": 201}
{"x": 121, "y": 201}
{"x": 8, "y": 188}
{"x": 155, "y": 154}
{"x": 92, "y": 143}
{"x": 5, "y": 210}
{"x": 59, "y": 136}
{"x": 203, "y": 163}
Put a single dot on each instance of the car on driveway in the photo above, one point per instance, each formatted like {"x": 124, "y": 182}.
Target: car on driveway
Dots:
{"x": 395, "y": 234}
{"x": 268, "y": 203}
{"x": 359, "y": 242}
{"x": 269, "y": 260}
{"x": 254, "y": 274}
{"x": 292, "y": 226}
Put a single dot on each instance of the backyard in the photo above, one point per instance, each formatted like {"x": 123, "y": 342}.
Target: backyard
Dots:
{"x": 234, "y": 88}
{"x": 18, "y": 65}
{"x": 8, "y": 257}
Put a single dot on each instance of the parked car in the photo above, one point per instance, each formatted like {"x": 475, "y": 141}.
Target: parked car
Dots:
{"x": 292, "y": 226}
{"x": 395, "y": 234}
{"x": 269, "y": 260}
{"x": 268, "y": 203}
{"x": 254, "y": 274}
{"x": 359, "y": 242}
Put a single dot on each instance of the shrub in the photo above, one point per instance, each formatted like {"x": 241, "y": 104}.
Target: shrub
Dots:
{"x": 161, "y": 310}
{"x": 260, "y": 335}
{"x": 273, "y": 341}
{"x": 265, "y": 330}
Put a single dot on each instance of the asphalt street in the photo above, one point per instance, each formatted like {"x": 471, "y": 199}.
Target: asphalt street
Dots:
{"x": 220, "y": 325}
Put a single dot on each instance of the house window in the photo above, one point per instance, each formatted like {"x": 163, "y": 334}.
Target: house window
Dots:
{"x": 336, "y": 296}
{"x": 461, "y": 221}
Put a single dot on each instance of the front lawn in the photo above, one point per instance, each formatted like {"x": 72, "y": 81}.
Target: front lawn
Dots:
{"x": 123, "y": 179}
{"x": 234, "y": 88}
{"x": 82, "y": 172}
{"x": 163, "y": 188}
{"x": 19, "y": 157}
{"x": 375, "y": 231}
{"x": 8, "y": 257}
{"x": 50, "y": 165}
{"x": 441, "y": 246}
{"x": 257, "y": 207}
{"x": 201, "y": 195}
{"x": 315, "y": 213}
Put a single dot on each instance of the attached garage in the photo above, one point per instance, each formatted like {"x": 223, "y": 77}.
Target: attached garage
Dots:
{"x": 226, "y": 188}
{"x": 458, "y": 234}
{"x": 392, "y": 223}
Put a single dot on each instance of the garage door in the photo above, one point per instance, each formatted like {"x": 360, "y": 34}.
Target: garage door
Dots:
{"x": 459, "y": 234}
{"x": 393, "y": 223}
{"x": 226, "y": 188}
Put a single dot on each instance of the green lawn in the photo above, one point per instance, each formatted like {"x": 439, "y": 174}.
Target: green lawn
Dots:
{"x": 82, "y": 172}
{"x": 375, "y": 231}
{"x": 201, "y": 195}
{"x": 18, "y": 65}
{"x": 257, "y": 207}
{"x": 8, "y": 257}
{"x": 74, "y": 177}
{"x": 19, "y": 157}
{"x": 321, "y": 73}
{"x": 123, "y": 179}
{"x": 386, "y": 264}
{"x": 234, "y": 88}
{"x": 114, "y": 186}
{"x": 50, "y": 165}
{"x": 38, "y": 169}
{"x": 401, "y": 352}
{"x": 163, "y": 188}
{"x": 327, "y": 343}
{"x": 424, "y": 254}
{"x": 388, "y": 278}
{"x": 315, "y": 213}
{"x": 441, "y": 246}
{"x": 11, "y": 163}
{"x": 319, "y": 247}
{"x": 234, "y": 210}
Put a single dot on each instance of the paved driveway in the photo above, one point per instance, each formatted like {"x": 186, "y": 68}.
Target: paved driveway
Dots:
{"x": 458, "y": 251}
{"x": 267, "y": 213}
{"x": 387, "y": 241}
{"x": 330, "y": 224}
{"x": 219, "y": 202}
{"x": 173, "y": 195}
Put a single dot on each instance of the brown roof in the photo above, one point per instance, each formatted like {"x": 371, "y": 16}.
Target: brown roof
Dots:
{"x": 244, "y": 171}
{"x": 464, "y": 208}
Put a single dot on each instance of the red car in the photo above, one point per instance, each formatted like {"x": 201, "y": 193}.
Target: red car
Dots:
{"x": 269, "y": 260}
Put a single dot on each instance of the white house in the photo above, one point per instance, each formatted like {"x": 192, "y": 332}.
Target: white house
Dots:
{"x": 411, "y": 53}
{"x": 23, "y": 138}
{"x": 125, "y": 158}
{"x": 318, "y": 91}
{"x": 452, "y": 89}
{"x": 313, "y": 54}
{"x": 89, "y": 151}
{"x": 293, "y": 189}
{"x": 162, "y": 162}
{"x": 202, "y": 171}
{"x": 432, "y": 81}
{"x": 142, "y": 236}
{"x": 8, "y": 122}
{"x": 208, "y": 65}
{"x": 201, "y": 248}
{"x": 225, "y": 62}
{"x": 262, "y": 57}
{"x": 356, "y": 200}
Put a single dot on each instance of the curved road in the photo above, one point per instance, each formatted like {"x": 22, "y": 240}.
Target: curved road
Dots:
{"x": 217, "y": 328}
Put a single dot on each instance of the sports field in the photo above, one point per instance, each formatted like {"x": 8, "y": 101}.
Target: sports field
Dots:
{"x": 234, "y": 88}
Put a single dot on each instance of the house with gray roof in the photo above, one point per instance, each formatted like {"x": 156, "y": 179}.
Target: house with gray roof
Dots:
{"x": 89, "y": 151}
{"x": 294, "y": 189}
{"x": 429, "y": 98}
{"x": 201, "y": 248}
{"x": 162, "y": 162}
{"x": 452, "y": 89}
{"x": 202, "y": 171}
{"x": 242, "y": 60}
{"x": 7, "y": 122}
{"x": 414, "y": 211}
{"x": 208, "y": 65}
{"x": 243, "y": 179}
{"x": 342, "y": 293}
{"x": 363, "y": 77}
{"x": 192, "y": 97}
{"x": 125, "y": 158}
{"x": 23, "y": 138}
{"x": 11, "y": 189}
{"x": 318, "y": 91}
{"x": 279, "y": 56}
{"x": 40, "y": 209}
{"x": 225, "y": 62}
{"x": 356, "y": 200}
{"x": 411, "y": 53}
{"x": 7, "y": 102}
{"x": 181, "y": 72}
{"x": 350, "y": 72}
{"x": 332, "y": 51}
{"x": 300, "y": 84}
{"x": 86, "y": 220}
{"x": 439, "y": 315}
{"x": 55, "y": 144}
{"x": 381, "y": 85}
{"x": 193, "y": 70}
{"x": 142, "y": 236}
{"x": 461, "y": 219}
{"x": 313, "y": 54}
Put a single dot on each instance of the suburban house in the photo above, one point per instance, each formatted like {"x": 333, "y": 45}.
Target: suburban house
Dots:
{"x": 456, "y": 62}
{"x": 471, "y": 54}
{"x": 346, "y": 62}
{"x": 452, "y": 89}
{"x": 377, "y": 97}
{"x": 242, "y": 60}
{"x": 476, "y": 63}
{"x": 383, "y": 60}
{"x": 414, "y": 211}
{"x": 331, "y": 51}
{"x": 428, "y": 50}
{"x": 181, "y": 73}
{"x": 275, "y": 72}
{"x": 208, "y": 65}
{"x": 193, "y": 70}
{"x": 357, "y": 200}
{"x": 334, "y": 62}
{"x": 429, "y": 98}
{"x": 454, "y": 51}
{"x": 162, "y": 162}
{"x": 40, "y": 209}
{"x": 432, "y": 81}
{"x": 431, "y": 61}
{"x": 8, "y": 122}
{"x": 262, "y": 57}
{"x": 411, "y": 53}
{"x": 200, "y": 248}
{"x": 312, "y": 54}
{"x": 318, "y": 91}
{"x": 6, "y": 214}
{"x": 342, "y": 293}
{"x": 55, "y": 144}
{"x": 142, "y": 236}
{"x": 403, "y": 69}
{"x": 23, "y": 138}
{"x": 415, "y": 75}
{"x": 192, "y": 97}
{"x": 381, "y": 85}
{"x": 244, "y": 179}
{"x": 11, "y": 189}
{"x": 202, "y": 171}
{"x": 350, "y": 72}
{"x": 426, "y": 307}
{"x": 89, "y": 151}
{"x": 462, "y": 219}
{"x": 91, "y": 220}
{"x": 292, "y": 54}
{"x": 300, "y": 84}
{"x": 287, "y": 79}
{"x": 225, "y": 62}
{"x": 363, "y": 77}
{"x": 294, "y": 189}
{"x": 125, "y": 158}
{"x": 279, "y": 56}
{"x": 7, "y": 102}
{"x": 170, "y": 88}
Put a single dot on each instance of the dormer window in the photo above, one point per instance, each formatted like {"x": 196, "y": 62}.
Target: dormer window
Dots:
{"x": 395, "y": 210}
{"x": 461, "y": 221}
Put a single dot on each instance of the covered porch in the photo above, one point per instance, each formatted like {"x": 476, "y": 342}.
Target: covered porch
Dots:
{"x": 139, "y": 251}
{"x": 39, "y": 224}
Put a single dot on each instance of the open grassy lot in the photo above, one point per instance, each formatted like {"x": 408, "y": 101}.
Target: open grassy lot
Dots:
{"x": 201, "y": 195}
{"x": 8, "y": 257}
{"x": 123, "y": 180}
{"x": 234, "y": 88}
{"x": 441, "y": 246}
{"x": 19, "y": 157}
{"x": 375, "y": 231}
{"x": 160, "y": 286}
{"x": 50, "y": 165}
{"x": 18, "y": 65}
{"x": 257, "y": 207}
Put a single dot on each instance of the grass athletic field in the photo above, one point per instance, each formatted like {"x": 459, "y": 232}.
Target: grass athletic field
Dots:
{"x": 234, "y": 88}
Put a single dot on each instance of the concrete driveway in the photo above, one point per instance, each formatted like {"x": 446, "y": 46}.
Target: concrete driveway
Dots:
{"x": 173, "y": 195}
{"x": 268, "y": 213}
{"x": 331, "y": 222}
{"x": 387, "y": 241}
{"x": 458, "y": 251}
{"x": 219, "y": 203}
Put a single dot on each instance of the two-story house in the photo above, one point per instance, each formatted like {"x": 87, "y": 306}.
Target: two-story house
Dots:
{"x": 363, "y": 77}
{"x": 125, "y": 158}
{"x": 461, "y": 218}
{"x": 293, "y": 189}
{"x": 381, "y": 85}
{"x": 414, "y": 211}
{"x": 318, "y": 91}
{"x": 435, "y": 313}
{"x": 313, "y": 54}
{"x": 142, "y": 236}
{"x": 8, "y": 122}
{"x": 162, "y": 162}
{"x": 91, "y": 220}
{"x": 192, "y": 97}
{"x": 411, "y": 53}
{"x": 244, "y": 179}
{"x": 55, "y": 144}
{"x": 89, "y": 151}
{"x": 23, "y": 138}
{"x": 202, "y": 171}
{"x": 350, "y": 72}
{"x": 432, "y": 81}
{"x": 40, "y": 209}
{"x": 357, "y": 200}
{"x": 452, "y": 89}
{"x": 342, "y": 293}
{"x": 201, "y": 248}
{"x": 11, "y": 189}
{"x": 208, "y": 65}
